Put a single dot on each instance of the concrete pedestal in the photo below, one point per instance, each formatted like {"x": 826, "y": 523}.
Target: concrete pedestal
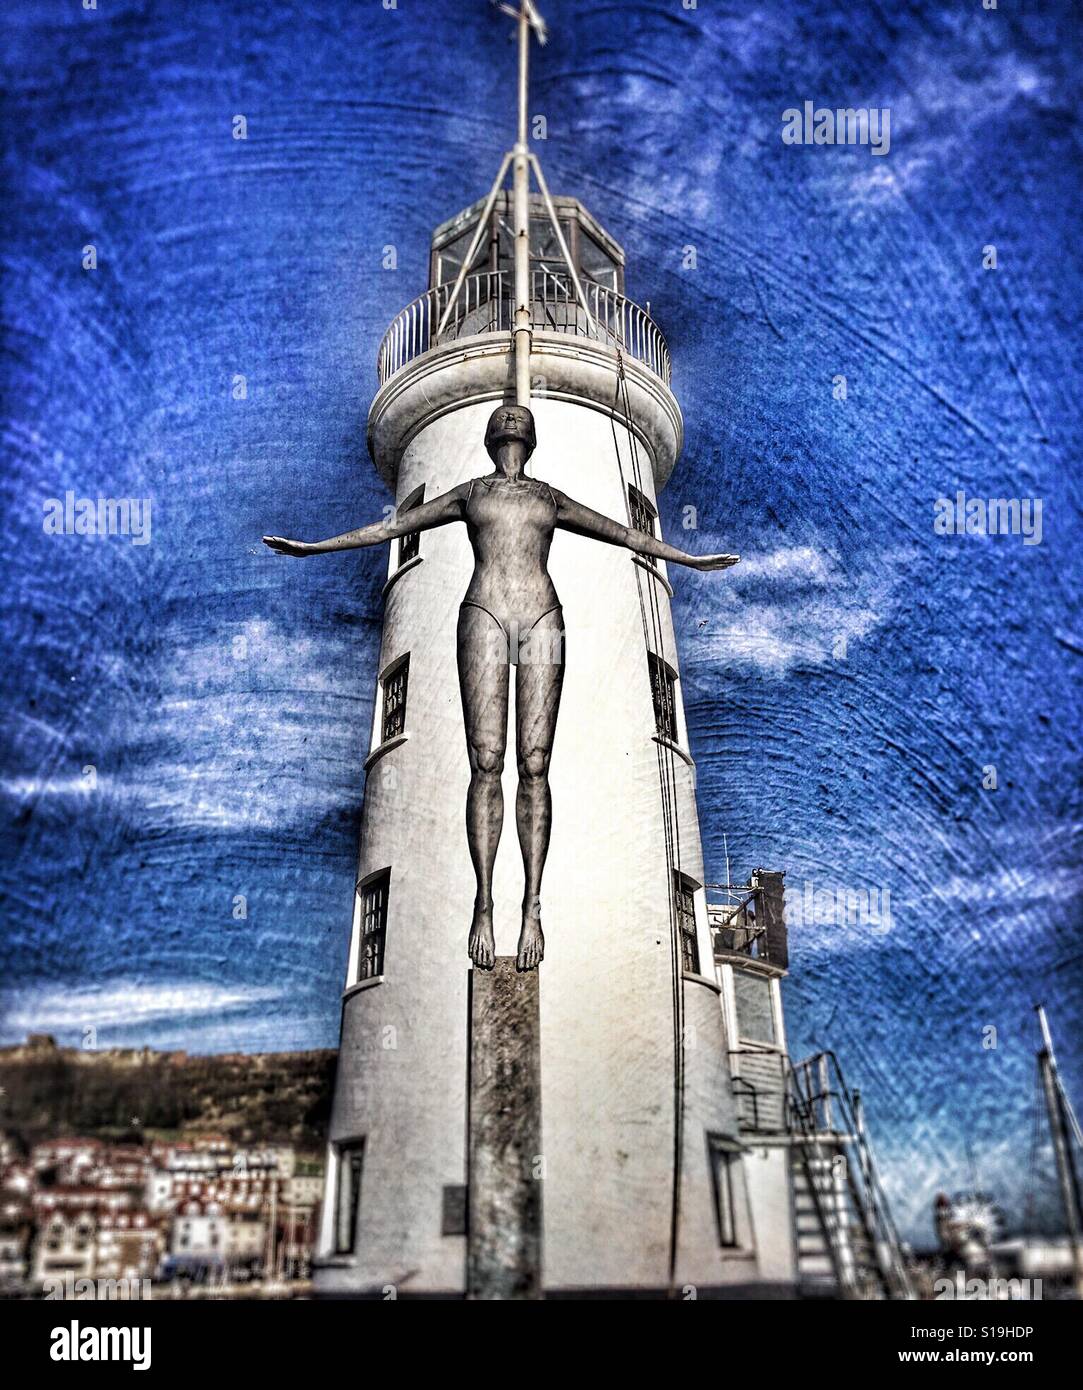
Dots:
{"x": 505, "y": 1201}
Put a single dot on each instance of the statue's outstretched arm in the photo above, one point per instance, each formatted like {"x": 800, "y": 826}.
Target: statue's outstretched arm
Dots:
{"x": 581, "y": 521}
{"x": 439, "y": 512}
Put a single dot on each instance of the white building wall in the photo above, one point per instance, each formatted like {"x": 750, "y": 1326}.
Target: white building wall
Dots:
{"x": 767, "y": 1170}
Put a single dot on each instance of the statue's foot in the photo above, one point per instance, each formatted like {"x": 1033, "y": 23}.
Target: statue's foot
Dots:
{"x": 531, "y": 950}
{"x": 482, "y": 943}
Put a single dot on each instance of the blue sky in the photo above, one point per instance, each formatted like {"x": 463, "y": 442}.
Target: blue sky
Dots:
{"x": 845, "y": 686}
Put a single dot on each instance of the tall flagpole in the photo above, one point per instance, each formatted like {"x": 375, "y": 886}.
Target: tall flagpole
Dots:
{"x": 1060, "y": 1134}
{"x": 521, "y": 197}
{"x": 522, "y": 160}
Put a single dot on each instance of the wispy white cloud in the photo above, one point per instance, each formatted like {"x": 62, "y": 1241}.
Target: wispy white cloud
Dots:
{"x": 1010, "y": 904}
{"x": 1010, "y": 885}
{"x": 204, "y": 797}
{"x": 226, "y": 700}
{"x": 935, "y": 119}
{"x": 121, "y": 1005}
{"x": 261, "y": 652}
{"x": 813, "y": 622}
{"x": 30, "y": 788}
{"x": 803, "y": 564}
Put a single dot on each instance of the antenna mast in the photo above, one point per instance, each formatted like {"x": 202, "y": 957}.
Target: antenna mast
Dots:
{"x": 1059, "y": 1110}
{"x": 528, "y": 19}
{"x": 522, "y": 161}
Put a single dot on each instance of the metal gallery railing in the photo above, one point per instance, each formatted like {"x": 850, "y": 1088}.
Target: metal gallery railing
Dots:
{"x": 485, "y": 305}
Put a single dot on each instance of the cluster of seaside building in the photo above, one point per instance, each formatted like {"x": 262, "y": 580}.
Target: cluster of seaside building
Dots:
{"x": 178, "y": 1216}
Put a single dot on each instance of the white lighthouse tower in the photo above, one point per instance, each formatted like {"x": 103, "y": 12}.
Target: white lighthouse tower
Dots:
{"x": 579, "y": 1132}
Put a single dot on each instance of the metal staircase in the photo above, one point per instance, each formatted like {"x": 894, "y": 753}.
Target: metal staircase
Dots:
{"x": 847, "y": 1243}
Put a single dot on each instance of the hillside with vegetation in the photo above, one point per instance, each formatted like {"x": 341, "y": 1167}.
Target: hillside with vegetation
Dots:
{"x": 48, "y": 1091}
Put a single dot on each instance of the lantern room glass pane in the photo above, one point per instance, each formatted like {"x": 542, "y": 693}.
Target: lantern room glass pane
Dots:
{"x": 449, "y": 260}
{"x": 595, "y": 264}
{"x": 545, "y": 253}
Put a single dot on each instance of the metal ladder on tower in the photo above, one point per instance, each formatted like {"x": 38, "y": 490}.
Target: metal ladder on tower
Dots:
{"x": 846, "y": 1241}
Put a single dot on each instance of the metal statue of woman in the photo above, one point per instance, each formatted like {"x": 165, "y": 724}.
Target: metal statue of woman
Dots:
{"x": 510, "y": 616}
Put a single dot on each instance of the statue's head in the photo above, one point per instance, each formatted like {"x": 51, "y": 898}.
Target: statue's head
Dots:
{"x": 510, "y": 422}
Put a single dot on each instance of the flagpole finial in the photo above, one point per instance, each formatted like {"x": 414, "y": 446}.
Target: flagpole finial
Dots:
{"x": 529, "y": 11}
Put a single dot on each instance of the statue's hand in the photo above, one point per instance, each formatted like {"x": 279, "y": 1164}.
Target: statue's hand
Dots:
{"x": 285, "y": 547}
{"x": 715, "y": 562}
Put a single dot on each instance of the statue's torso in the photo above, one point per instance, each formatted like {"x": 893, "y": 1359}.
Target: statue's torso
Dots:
{"x": 511, "y": 526}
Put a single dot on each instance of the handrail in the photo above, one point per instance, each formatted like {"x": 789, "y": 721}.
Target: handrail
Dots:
{"x": 485, "y": 305}
{"x": 842, "y": 1096}
{"x": 751, "y": 1091}
{"x": 480, "y": 308}
{"x": 831, "y": 1224}
{"x": 805, "y": 1104}
{"x": 763, "y": 1099}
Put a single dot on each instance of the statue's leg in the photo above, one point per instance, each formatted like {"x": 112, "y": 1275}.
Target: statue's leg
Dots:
{"x": 538, "y": 681}
{"x": 483, "y": 682}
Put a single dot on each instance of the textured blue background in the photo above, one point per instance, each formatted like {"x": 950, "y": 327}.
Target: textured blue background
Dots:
{"x": 220, "y": 776}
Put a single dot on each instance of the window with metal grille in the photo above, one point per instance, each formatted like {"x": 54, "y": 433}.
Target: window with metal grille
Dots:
{"x": 395, "y": 683}
{"x": 684, "y": 899}
{"x": 410, "y": 545}
{"x": 723, "y": 1159}
{"x": 663, "y": 682}
{"x": 643, "y": 516}
{"x": 348, "y": 1195}
{"x": 370, "y": 955}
